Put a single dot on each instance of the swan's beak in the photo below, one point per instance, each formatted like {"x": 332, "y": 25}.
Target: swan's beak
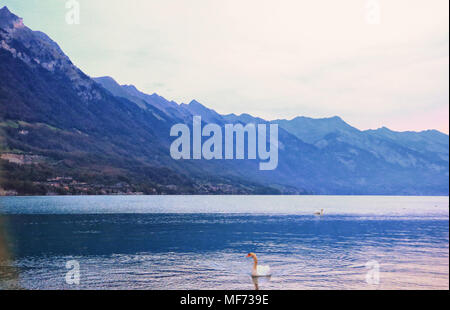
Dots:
{"x": 248, "y": 255}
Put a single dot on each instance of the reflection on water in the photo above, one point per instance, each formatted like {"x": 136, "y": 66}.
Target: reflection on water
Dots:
{"x": 257, "y": 280}
{"x": 207, "y": 251}
{"x": 255, "y": 283}
{"x": 8, "y": 273}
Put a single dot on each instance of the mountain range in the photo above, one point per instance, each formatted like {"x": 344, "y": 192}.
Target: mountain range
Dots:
{"x": 63, "y": 132}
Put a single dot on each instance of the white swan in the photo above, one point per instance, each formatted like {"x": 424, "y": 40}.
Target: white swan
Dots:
{"x": 259, "y": 270}
{"x": 319, "y": 213}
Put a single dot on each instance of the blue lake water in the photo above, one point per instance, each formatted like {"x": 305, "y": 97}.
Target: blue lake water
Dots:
{"x": 200, "y": 242}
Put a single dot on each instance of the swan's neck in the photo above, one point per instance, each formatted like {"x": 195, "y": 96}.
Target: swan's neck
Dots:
{"x": 255, "y": 262}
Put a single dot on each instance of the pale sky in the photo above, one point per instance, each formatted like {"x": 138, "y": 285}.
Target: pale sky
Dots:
{"x": 272, "y": 59}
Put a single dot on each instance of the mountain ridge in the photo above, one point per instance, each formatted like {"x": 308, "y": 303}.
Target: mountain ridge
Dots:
{"x": 230, "y": 116}
{"x": 111, "y": 138}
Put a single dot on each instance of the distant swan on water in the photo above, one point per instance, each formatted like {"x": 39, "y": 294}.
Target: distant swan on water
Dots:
{"x": 319, "y": 213}
{"x": 259, "y": 270}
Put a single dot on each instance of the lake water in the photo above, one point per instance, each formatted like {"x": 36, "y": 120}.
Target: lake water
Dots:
{"x": 200, "y": 242}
